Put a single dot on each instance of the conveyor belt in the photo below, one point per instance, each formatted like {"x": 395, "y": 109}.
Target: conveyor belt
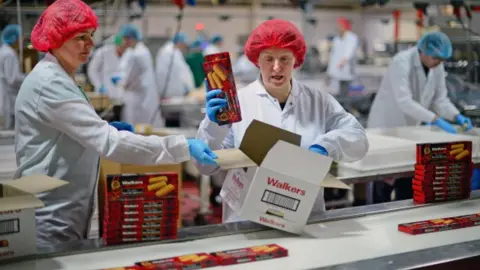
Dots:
{"x": 327, "y": 244}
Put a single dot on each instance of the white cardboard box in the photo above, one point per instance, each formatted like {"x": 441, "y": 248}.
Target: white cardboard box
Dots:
{"x": 17, "y": 213}
{"x": 281, "y": 182}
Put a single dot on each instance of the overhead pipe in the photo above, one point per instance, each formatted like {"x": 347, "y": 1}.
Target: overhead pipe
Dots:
{"x": 396, "y": 28}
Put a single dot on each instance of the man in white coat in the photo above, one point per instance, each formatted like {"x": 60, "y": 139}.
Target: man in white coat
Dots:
{"x": 414, "y": 91}
{"x": 104, "y": 64}
{"x": 11, "y": 77}
{"x": 141, "y": 99}
{"x": 341, "y": 64}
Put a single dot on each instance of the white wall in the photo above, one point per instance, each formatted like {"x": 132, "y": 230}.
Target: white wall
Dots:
{"x": 160, "y": 21}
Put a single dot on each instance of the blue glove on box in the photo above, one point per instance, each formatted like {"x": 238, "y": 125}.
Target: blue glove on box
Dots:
{"x": 122, "y": 126}
{"x": 446, "y": 126}
{"x": 214, "y": 102}
{"x": 200, "y": 151}
{"x": 464, "y": 121}
{"x": 116, "y": 79}
{"x": 316, "y": 148}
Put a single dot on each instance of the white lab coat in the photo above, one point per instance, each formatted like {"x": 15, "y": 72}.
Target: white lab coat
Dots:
{"x": 141, "y": 99}
{"x": 211, "y": 49}
{"x": 407, "y": 97}
{"x": 312, "y": 113}
{"x": 343, "y": 47}
{"x": 245, "y": 70}
{"x": 11, "y": 79}
{"x": 59, "y": 134}
{"x": 181, "y": 77}
{"x": 105, "y": 63}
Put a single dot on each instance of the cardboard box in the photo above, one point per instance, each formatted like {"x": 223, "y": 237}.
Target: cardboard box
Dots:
{"x": 17, "y": 213}
{"x": 281, "y": 182}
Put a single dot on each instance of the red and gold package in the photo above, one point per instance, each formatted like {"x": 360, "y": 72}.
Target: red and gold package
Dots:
{"x": 218, "y": 69}
{"x": 143, "y": 186}
{"x": 191, "y": 261}
{"x": 133, "y": 267}
{"x": 452, "y": 168}
{"x": 250, "y": 254}
{"x": 3, "y": 243}
{"x": 162, "y": 207}
{"x": 442, "y": 224}
{"x": 444, "y": 152}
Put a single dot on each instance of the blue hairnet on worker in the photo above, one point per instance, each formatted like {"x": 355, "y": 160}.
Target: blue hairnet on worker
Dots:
{"x": 215, "y": 46}
{"x": 413, "y": 91}
{"x": 435, "y": 44}
{"x": 196, "y": 44}
{"x": 11, "y": 34}
{"x": 130, "y": 31}
{"x": 180, "y": 38}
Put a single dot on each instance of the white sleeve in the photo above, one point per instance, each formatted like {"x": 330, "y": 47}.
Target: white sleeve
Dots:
{"x": 95, "y": 67}
{"x": 351, "y": 47}
{"x": 217, "y": 137}
{"x": 441, "y": 103}
{"x": 12, "y": 72}
{"x": 345, "y": 138}
{"x": 398, "y": 76}
{"x": 133, "y": 68}
{"x": 72, "y": 115}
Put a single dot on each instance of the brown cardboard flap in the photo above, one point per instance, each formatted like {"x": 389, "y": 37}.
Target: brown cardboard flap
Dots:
{"x": 260, "y": 137}
{"x": 331, "y": 181}
{"x": 35, "y": 183}
{"x": 233, "y": 158}
{"x": 19, "y": 202}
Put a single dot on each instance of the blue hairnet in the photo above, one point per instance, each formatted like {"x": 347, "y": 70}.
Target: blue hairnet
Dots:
{"x": 11, "y": 33}
{"x": 130, "y": 31}
{"x": 216, "y": 38}
{"x": 435, "y": 44}
{"x": 197, "y": 44}
{"x": 179, "y": 38}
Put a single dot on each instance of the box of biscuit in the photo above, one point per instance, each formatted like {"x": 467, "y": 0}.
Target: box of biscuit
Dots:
{"x": 144, "y": 186}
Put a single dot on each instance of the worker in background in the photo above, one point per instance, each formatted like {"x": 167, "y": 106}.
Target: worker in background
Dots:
{"x": 174, "y": 77}
{"x": 141, "y": 98}
{"x": 215, "y": 45}
{"x": 277, "y": 47}
{"x": 244, "y": 69}
{"x": 195, "y": 61}
{"x": 104, "y": 64}
{"x": 59, "y": 134}
{"x": 412, "y": 92}
{"x": 342, "y": 61}
{"x": 11, "y": 77}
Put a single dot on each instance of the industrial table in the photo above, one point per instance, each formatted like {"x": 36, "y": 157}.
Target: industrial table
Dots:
{"x": 363, "y": 237}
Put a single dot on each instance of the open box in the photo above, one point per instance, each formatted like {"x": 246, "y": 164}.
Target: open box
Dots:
{"x": 17, "y": 213}
{"x": 281, "y": 181}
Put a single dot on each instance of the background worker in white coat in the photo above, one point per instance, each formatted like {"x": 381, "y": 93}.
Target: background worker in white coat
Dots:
{"x": 277, "y": 47}
{"x": 414, "y": 91}
{"x": 59, "y": 134}
{"x": 11, "y": 77}
{"x": 342, "y": 61}
{"x": 141, "y": 98}
{"x": 171, "y": 66}
{"x": 214, "y": 46}
{"x": 104, "y": 64}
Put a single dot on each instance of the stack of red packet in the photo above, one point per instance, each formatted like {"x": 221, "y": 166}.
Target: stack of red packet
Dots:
{"x": 442, "y": 172}
{"x": 441, "y": 224}
{"x": 140, "y": 208}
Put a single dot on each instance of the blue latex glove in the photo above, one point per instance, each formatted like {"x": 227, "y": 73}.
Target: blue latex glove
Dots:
{"x": 446, "y": 126}
{"x": 318, "y": 149}
{"x": 122, "y": 126}
{"x": 102, "y": 90}
{"x": 115, "y": 79}
{"x": 462, "y": 120}
{"x": 214, "y": 103}
{"x": 200, "y": 151}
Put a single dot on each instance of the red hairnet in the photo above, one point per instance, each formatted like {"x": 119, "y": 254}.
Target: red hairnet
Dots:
{"x": 345, "y": 23}
{"x": 276, "y": 33}
{"x": 60, "y": 22}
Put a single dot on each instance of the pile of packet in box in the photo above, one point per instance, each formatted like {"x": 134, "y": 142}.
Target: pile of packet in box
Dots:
{"x": 140, "y": 207}
{"x": 206, "y": 260}
{"x": 443, "y": 172}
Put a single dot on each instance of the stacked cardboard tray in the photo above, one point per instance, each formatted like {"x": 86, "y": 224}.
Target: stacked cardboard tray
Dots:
{"x": 442, "y": 172}
{"x": 140, "y": 207}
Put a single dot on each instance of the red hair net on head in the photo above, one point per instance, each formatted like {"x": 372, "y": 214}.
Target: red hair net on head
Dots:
{"x": 276, "y": 33}
{"x": 60, "y": 22}
{"x": 345, "y": 23}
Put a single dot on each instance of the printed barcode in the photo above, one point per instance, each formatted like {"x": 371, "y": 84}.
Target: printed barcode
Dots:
{"x": 9, "y": 226}
{"x": 280, "y": 200}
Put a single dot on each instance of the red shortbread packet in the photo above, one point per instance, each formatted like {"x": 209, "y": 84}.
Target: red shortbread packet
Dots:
{"x": 442, "y": 224}
{"x": 250, "y": 254}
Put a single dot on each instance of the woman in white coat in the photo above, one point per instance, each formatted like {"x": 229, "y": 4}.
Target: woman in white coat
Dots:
{"x": 277, "y": 48}
{"x": 414, "y": 91}
{"x": 59, "y": 134}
